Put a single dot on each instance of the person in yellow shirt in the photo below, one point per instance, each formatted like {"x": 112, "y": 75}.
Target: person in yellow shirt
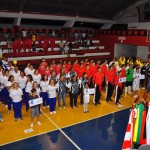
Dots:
{"x": 138, "y": 61}
{"x": 122, "y": 60}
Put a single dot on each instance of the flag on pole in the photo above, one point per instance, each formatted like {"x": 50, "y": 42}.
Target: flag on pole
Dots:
{"x": 128, "y": 139}
{"x": 148, "y": 125}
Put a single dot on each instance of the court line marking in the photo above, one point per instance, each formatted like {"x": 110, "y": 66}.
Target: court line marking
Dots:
{"x": 61, "y": 131}
{"x": 62, "y": 127}
{"x": 94, "y": 118}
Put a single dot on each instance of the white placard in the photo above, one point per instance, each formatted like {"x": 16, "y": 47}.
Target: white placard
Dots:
{"x": 141, "y": 76}
{"x": 35, "y": 102}
{"x": 122, "y": 79}
{"x": 28, "y": 130}
{"x": 89, "y": 91}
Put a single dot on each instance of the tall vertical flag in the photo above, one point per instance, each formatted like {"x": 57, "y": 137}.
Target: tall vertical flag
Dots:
{"x": 128, "y": 139}
{"x": 148, "y": 125}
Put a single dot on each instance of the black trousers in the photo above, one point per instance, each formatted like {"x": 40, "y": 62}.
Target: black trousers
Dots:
{"x": 142, "y": 81}
{"x": 110, "y": 90}
{"x": 118, "y": 94}
{"x": 73, "y": 99}
{"x": 81, "y": 96}
{"x": 97, "y": 94}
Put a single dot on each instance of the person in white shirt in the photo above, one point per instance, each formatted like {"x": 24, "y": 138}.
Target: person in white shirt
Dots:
{"x": 37, "y": 77}
{"x": 16, "y": 95}
{"x": 28, "y": 90}
{"x": 24, "y": 33}
{"x": 9, "y": 87}
{"x": 31, "y": 70}
{"x": 5, "y": 77}
{"x": 16, "y": 73}
{"x": 22, "y": 80}
{"x": 44, "y": 84}
{"x": 26, "y": 70}
{"x": 10, "y": 68}
{"x": 136, "y": 82}
{"x": 5, "y": 63}
{"x": 51, "y": 90}
{"x": 86, "y": 97}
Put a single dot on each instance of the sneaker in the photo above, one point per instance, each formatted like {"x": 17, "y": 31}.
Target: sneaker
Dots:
{"x": 39, "y": 123}
{"x": 135, "y": 96}
{"x": 51, "y": 112}
{"x": 31, "y": 125}
{"x": 84, "y": 111}
{"x": 44, "y": 107}
{"x": 64, "y": 108}
{"x": 47, "y": 106}
{"x": 8, "y": 112}
{"x": 21, "y": 118}
{"x": 54, "y": 112}
{"x": 87, "y": 111}
{"x": 2, "y": 119}
{"x": 76, "y": 106}
{"x": 143, "y": 88}
{"x": 60, "y": 108}
{"x": 15, "y": 119}
{"x": 6, "y": 106}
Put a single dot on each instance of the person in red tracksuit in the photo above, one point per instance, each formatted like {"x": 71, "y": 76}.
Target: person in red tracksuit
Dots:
{"x": 80, "y": 71}
{"x": 118, "y": 88}
{"x": 110, "y": 82}
{"x": 41, "y": 69}
{"x": 104, "y": 70}
{"x": 97, "y": 81}
{"x": 88, "y": 71}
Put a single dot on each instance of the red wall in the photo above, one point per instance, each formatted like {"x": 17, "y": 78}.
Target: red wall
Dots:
{"x": 109, "y": 40}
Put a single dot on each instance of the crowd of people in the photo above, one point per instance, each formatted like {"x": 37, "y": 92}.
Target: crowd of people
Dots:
{"x": 18, "y": 87}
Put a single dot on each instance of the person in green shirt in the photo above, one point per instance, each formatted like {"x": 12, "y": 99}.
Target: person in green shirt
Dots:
{"x": 129, "y": 79}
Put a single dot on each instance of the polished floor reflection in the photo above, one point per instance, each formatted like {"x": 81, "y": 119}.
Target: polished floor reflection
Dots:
{"x": 103, "y": 133}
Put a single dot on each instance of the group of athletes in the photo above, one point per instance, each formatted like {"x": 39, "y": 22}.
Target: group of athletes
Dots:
{"x": 19, "y": 87}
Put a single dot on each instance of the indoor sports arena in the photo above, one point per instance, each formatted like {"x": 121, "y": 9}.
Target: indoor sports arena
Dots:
{"x": 75, "y": 74}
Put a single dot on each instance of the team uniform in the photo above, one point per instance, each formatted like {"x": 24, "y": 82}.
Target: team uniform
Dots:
{"x": 16, "y": 96}
{"x": 86, "y": 100}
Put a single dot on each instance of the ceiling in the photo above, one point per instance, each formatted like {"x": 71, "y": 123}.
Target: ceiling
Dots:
{"x": 100, "y": 9}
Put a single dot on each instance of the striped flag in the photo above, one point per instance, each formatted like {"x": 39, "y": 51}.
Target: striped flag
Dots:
{"x": 148, "y": 125}
{"x": 128, "y": 139}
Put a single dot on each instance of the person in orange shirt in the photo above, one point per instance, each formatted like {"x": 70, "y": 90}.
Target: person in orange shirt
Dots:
{"x": 68, "y": 65}
{"x": 88, "y": 71}
{"x": 110, "y": 82}
{"x": 41, "y": 69}
{"x": 44, "y": 62}
{"x": 118, "y": 88}
{"x": 104, "y": 70}
{"x": 80, "y": 71}
{"x": 76, "y": 66}
{"x": 97, "y": 81}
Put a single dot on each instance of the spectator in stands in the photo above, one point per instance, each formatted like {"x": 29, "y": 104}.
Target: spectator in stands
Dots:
{"x": 76, "y": 37}
{"x": 70, "y": 47}
{"x": 24, "y": 34}
{"x": 83, "y": 36}
{"x": 61, "y": 45}
{"x": 5, "y": 63}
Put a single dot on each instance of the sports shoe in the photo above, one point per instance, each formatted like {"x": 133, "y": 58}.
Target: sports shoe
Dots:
{"x": 44, "y": 107}
{"x": 64, "y": 108}
{"x": 8, "y": 112}
{"x": 1, "y": 119}
{"x": 54, "y": 112}
{"x": 31, "y": 125}
{"x": 15, "y": 119}
{"x": 51, "y": 112}
{"x": 60, "y": 108}
{"x": 39, "y": 123}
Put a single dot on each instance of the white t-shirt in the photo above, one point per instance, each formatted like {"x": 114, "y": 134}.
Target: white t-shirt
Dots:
{"x": 16, "y": 75}
{"x": 31, "y": 72}
{"x": 22, "y": 82}
{"x": 26, "y": 70}
{"x": 52, "y": 91}
{"x": 29, "y": 87}
{"x": 4, "y": 80}
{"x": 86, "y": 97}
{"x": 16, "y": 95}
{"x": 24, "y": 33}
{"x": 4, "y": 64}
{"x": 38, "y": 91}
{"x": 44, "y": 85}
{"x": 9, "y": 84}
{"x": 37, "y": 78}
{"x": 11, "y": 69}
